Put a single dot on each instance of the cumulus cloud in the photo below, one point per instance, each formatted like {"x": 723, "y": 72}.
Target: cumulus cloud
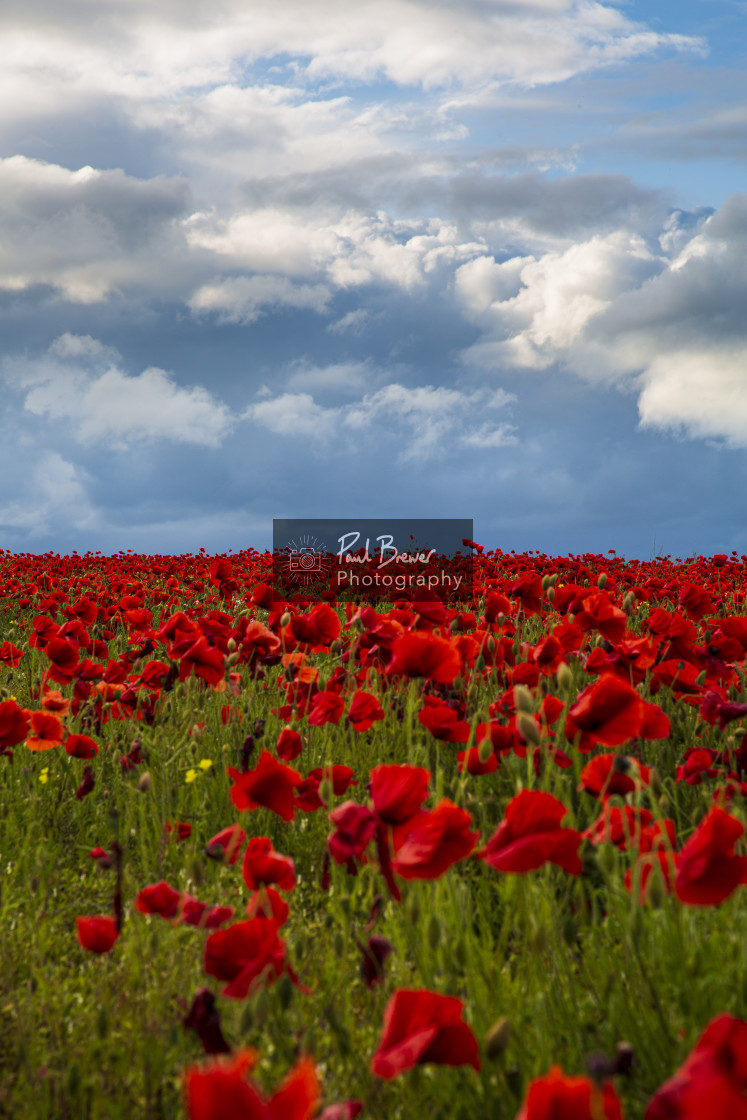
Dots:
{"x": 421, "y": 422}
{"x": 244, "y": 299}
{"x": 158, "y": 51}
{"x": 79, "y": 381}
{"x": 86, "y": 232}
{"x": 54, "y": 498}
{"x": 663, "y": 317}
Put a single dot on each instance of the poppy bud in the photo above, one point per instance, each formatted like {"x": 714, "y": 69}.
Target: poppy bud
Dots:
{"x": 551, "y": 594}
{"x": 523, "y": 699}
{"x": 325, "y": 791}
{"x": 700, "y": 679}
{"x": 527, "y": 728}
{"x": 336, "y": 647}
{"x": 145, "y": 782}
{"x": 285, "y": 991}
{"x": 564, "y": 677}
{"x": 624, "y": 1058}
{"x": 460, "y": 953}
{"x": 602, "y": 581}
{"x": 232, "y": 659}
{"x": 490, "y": 644}
{"x": 285, "y": 619}
{"x": 496, "y": 1040}
{"x": 540, "y": 940}
{"x": 479, "y": 663}
{"x": 413, "y": 910}
{"x": 231, "y": 644}
{"x": 655, "y": 889}
{"x": 545, "y": 582}
{"x": 261, "y": 1008}
{"x": 635, "y": 926}
{"x": 247, "y": 1019}
{"x": 607, "y": 859}
{"x": 655, "y": 782}
{"x": 485, "y": 750}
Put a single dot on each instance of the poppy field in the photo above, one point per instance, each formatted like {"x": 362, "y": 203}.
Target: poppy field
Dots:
{"x": 273, "y": 859}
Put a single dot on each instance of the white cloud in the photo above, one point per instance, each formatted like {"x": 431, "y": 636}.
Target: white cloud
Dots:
{"x": 422, "y": 422}
{"x": 664, "y": 318}
{"x": 78, "y": 382}
{"x": 54, "y": 498}
{"x": 244, "y": 299}
{"x": 87, "y": 233}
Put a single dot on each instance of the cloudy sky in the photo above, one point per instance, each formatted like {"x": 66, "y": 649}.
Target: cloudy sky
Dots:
{"x": 405, "y": 258}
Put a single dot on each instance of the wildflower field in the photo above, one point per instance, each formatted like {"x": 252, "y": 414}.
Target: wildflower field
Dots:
{"x": 274, "y": 860}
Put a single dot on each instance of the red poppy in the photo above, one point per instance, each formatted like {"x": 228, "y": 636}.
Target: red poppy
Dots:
{"x": 443, "y": 721}
{"x": 598, "y": 613}
{"x": 10, "y": 655}
{"x": 618, "y": 825}
{"x": 97, "y": 935}
{"x": 267, "y": 903}
{"x": 608, "y": 774}
{"x": 81, "y": 746}
{"x": 354, "y": 828}
{"x": 712, "y": 1081}
{"x": 470, "y": 761}
{"x": 439, "y": 839}
{"x": 265, "y": 867}
{"x": 64, "y": 656}
{"x": 708, "y": 871}
{"x": 611, "y": 712}
{"x": 696, "y": 602}
{"x": 243, "y": 952}
{"x": 528, "y": 590}
{"x": 307, "y": 793}
{"x": 226, "y": 844}
{"x": 364, "y": 711}
{"x": 558, "y": 1097}
{"x": 220, "y": 1089}
{"x": 424, "y": 654}
{"x": 159, "y": 898}
{"x": 204, "y": 660}
{"x": 423, "y": 1027}
{"x": 180, "y": 830}
{"x": 326, "y": 707}
{"x": 14, "y": 723}
{"x": 289, "y": 744}
{"x": 697, "y": 765}
{"x": 655, "y": 844}
{"x": 196, "y": 913}
{"x": 531, "y": 835}
{"x": 269, "y": 785}
{"x": 203, "y": 1017}
{"x": 398, "y": 791}
{"x": 46, "y": 732}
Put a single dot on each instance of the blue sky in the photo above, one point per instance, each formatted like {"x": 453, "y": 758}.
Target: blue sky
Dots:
{"x": 398, "y": 258}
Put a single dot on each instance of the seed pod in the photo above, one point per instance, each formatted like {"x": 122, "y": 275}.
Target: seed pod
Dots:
{"x": 564, "y": 677}
{"x": 497, "y": 1038}
{"x": 527, "y": 728}
{"x": 433, "y": 932}
{"x": 523, "y": 699}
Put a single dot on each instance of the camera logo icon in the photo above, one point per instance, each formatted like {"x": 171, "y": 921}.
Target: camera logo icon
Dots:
{"x": 305, "y": 560}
